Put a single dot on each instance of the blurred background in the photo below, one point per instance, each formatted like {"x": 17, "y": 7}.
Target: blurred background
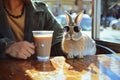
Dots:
{"x": 109, "y": 16}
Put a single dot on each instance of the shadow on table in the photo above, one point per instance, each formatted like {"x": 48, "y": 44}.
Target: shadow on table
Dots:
{"x": 37, "y": 65}
{"x": 84, "y": 64}
{"x": 44, "y": 66}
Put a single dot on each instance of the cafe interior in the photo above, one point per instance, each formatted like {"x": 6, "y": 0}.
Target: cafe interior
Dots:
{"x": 94, "y": 57}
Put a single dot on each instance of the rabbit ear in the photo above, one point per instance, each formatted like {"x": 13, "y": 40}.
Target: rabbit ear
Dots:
{"x": 68, "y": 18}
{"x": 79, "y": 18}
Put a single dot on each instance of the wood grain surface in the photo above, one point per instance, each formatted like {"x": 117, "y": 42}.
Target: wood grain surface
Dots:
{"x": 97, "y": 67}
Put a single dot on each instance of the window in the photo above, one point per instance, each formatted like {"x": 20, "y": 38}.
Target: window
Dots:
{"x": 107, "y": 20}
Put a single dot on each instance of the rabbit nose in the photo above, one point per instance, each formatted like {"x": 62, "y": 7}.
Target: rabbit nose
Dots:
{"x": 71, "y": 36}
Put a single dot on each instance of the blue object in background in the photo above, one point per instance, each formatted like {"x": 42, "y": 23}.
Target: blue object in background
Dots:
{"x": 86, "y": 24}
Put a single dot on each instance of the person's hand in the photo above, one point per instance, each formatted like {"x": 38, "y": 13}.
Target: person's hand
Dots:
{"x": 21, "y": 50}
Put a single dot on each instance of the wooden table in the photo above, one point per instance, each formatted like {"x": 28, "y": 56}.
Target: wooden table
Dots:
{"x": 100, "y": 67}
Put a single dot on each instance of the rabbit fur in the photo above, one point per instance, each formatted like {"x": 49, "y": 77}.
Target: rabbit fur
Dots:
{"x": 76, "y": 44}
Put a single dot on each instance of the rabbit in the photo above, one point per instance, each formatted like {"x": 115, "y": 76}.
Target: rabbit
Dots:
{"x": 74, "y": 42}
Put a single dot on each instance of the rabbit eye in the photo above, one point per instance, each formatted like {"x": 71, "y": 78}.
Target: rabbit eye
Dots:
{"x": 66, "y": 29}
{"x": 76, "y": 29}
